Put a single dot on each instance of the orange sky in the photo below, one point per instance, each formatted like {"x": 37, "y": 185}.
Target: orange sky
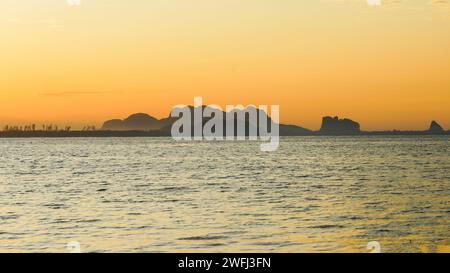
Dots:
{"x": 386, "y": 66}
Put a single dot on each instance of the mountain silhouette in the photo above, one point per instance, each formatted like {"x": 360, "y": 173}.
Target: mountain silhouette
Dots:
{"x": 243, "y": 116}
{"x": 135, "y": 122}
{"x": 141, "y": 122}
{"x": 145, "y": 122}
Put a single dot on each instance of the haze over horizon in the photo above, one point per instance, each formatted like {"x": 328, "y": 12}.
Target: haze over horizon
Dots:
{"x": 386, "y": 67}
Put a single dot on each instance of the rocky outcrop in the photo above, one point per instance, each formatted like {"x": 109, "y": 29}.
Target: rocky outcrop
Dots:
{"x": 237, "y": 115}
{"x": 435, "y": 128}
{"x": 336, "y": 126}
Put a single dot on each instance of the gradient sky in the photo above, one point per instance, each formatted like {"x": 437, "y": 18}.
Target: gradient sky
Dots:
{"x": 386, "y": 66}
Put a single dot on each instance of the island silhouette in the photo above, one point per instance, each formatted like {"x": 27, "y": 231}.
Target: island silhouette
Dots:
{"x": 144, "y": 125}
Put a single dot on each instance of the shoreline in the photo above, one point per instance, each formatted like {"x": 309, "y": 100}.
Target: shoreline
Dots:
{"x": 81, "y": 134}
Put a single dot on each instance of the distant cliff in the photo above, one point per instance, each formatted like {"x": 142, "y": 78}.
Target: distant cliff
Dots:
{"x": 336, "y": 126}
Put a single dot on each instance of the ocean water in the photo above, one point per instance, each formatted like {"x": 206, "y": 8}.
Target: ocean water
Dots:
{"x": 315, "y": 194}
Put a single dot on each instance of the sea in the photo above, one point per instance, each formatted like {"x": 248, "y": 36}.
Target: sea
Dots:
{"x": 313, "y": 194}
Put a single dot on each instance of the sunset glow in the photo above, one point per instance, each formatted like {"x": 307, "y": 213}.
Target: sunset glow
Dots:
{"x": 385, "y": 66}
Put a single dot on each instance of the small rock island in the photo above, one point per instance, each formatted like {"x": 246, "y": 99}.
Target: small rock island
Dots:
{"x": 435, "y": 128}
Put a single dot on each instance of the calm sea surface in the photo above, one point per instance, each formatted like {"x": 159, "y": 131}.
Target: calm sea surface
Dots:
{"x": 315, "y": 194}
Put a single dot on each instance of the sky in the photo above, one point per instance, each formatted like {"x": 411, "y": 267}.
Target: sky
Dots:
{"x": 386, "y": 66}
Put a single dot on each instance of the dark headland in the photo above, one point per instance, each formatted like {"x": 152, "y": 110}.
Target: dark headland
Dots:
{"x": 144, "y": 125}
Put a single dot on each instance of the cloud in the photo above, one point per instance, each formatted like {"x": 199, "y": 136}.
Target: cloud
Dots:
{"x": 13, "y": 20}
{"x": 65, "y": 94}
